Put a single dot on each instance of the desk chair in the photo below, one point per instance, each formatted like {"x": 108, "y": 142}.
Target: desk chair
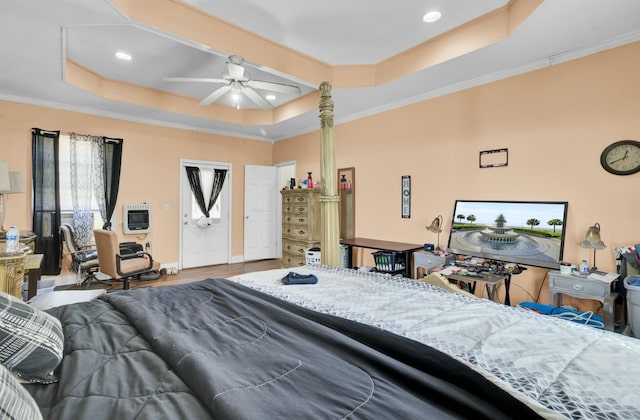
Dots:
{"x": 119, "y": 266}
{"x": 83, "y": 260}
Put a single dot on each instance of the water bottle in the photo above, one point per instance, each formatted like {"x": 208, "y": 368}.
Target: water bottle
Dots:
{"x": 13, "y": 238}
{"x": 584, "y": 267}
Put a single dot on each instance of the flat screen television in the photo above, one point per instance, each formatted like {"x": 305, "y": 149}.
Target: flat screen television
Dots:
{"x": 521, "y": 232}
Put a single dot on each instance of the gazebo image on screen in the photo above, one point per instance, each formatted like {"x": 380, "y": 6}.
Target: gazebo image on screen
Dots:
{"x": 524, "y": 232}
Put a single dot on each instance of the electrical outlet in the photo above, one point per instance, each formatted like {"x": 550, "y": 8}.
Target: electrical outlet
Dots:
{"x": 171, "y": 268}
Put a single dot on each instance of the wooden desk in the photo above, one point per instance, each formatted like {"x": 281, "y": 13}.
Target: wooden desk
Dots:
{"x": 406, "y": 249}
{"x": 491, "y": 283}
{"x": 32, "y": 269}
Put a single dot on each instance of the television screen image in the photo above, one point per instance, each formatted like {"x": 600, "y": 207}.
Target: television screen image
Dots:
{"x": 522, "y": 232}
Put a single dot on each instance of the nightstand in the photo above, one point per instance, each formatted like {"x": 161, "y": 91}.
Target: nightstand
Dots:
{"x": 426, "y": 260}
{"x": 584, "y": 288}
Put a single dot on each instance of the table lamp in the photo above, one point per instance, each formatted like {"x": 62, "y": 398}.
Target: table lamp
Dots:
{"x": 436, "y": 227}
{"x": 592, "y": 241}
{"x": 10, "y": 183}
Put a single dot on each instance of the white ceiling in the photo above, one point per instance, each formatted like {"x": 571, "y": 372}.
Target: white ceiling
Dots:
{"x": 38, "y": 35}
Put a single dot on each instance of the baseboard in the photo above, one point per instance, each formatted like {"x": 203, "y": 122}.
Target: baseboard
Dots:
{"x": 170, "y": 268}
{"x": 236, "y": 259}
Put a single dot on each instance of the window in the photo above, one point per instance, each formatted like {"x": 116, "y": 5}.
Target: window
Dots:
{"x": 207, "y": 183}
{"x": 66, "y": 203}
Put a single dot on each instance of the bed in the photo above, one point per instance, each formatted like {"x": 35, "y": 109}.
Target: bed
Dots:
{"x": 353, "y": 345}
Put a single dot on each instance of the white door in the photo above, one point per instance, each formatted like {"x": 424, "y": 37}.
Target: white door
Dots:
{"x": 260, "y": 212}
{"x": 204, "y": 241}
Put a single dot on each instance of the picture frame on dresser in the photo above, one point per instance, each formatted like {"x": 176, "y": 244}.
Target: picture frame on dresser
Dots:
{"x": 347, "y": 192}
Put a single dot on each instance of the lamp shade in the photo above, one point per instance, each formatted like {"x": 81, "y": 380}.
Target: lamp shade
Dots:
{"x": 436, "y": 225}
{"x": 5, "y": 181}
{"x": 17, "y": 184}
{"x": 592, "y": 238}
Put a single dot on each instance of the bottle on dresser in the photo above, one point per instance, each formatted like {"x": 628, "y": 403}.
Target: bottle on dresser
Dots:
{"x": 13, "y": 239}
{"x": 584, "y": 267}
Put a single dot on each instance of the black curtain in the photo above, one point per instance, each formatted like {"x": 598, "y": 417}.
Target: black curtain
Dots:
{"x": 112, "y": 164}
{"x": 193, "y": 174}
{"x": 46, "y": 198}
{"x": 218, "y": 182}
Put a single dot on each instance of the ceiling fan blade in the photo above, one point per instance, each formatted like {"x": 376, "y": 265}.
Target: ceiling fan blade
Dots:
{"x": 275, "y": 87}
{"x": 193, "y": 79}
{"x": 257, "y": 98}
{"x": 215, "y": 95}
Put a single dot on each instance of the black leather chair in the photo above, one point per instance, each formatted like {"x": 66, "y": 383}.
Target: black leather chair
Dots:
{"x": 82, "y": 260}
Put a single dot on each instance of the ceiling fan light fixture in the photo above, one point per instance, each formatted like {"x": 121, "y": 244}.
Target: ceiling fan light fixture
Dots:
{"x": 432, "y": 16}
{"x": 238, "y": 81}
{"x": 121, "y": 55}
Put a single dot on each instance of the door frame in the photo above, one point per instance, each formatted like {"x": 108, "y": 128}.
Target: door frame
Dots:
{"x": 281, "y": 180}
{"x": 228, "y": 178}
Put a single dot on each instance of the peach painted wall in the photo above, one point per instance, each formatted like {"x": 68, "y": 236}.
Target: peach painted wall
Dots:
{"x": 150, "y": 167}
{"x": 555, "y": 122}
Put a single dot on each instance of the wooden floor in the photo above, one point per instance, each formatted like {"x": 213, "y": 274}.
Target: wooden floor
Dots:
{"x": 196, "y": 274}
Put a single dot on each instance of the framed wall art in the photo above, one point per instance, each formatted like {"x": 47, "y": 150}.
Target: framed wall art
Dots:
{"x": 494, "y": 158}
{"x": 406, "y": 196}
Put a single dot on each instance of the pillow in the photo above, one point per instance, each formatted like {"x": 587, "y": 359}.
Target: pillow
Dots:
{"x": 31, "y": 341}
{"x": 15, "y": 401}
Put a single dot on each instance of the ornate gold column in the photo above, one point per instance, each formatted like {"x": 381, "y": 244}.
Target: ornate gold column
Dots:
{"x": 329, "y": 199}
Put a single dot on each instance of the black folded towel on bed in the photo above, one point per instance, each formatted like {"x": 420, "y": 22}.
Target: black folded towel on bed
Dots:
{"x": 296, "y": 278}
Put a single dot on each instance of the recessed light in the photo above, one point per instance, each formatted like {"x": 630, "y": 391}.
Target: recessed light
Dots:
{"x": 432, "y": 16}
{"x": 270, "y": 97}
{"x": 121, "y": 55}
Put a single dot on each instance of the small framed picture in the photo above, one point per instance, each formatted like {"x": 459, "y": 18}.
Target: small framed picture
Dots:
{"x": 406, "y": 196}
{"x": 494, "y": 158}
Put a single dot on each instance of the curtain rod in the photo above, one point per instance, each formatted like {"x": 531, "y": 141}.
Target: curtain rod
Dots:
{"x": 105, "y": 138}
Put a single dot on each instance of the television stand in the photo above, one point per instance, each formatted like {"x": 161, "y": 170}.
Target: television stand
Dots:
{"x": 491, "y": 282}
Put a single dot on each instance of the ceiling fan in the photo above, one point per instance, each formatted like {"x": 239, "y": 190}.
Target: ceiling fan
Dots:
{"x": 238, "y": 80}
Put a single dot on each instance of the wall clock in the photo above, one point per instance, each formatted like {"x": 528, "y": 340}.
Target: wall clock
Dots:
{"x": 621, "y": 157}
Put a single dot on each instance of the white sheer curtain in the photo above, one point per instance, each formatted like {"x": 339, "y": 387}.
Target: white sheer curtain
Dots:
{"x": 86, "y": 177}
{"x": 98, "y": 178}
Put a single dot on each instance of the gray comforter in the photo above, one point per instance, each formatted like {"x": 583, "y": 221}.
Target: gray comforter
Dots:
{"x": 215, "y": 349}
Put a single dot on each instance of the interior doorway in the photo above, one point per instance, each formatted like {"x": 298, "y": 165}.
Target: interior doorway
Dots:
{"x": 260, "y": 212}
{"x": 204, "y": 240}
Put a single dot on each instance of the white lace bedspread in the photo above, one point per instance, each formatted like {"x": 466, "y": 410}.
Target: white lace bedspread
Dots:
{"x": 559, "y": 368}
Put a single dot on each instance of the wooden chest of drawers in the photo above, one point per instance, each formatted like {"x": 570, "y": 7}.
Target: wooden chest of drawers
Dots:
{"x": 300, "y": 224}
